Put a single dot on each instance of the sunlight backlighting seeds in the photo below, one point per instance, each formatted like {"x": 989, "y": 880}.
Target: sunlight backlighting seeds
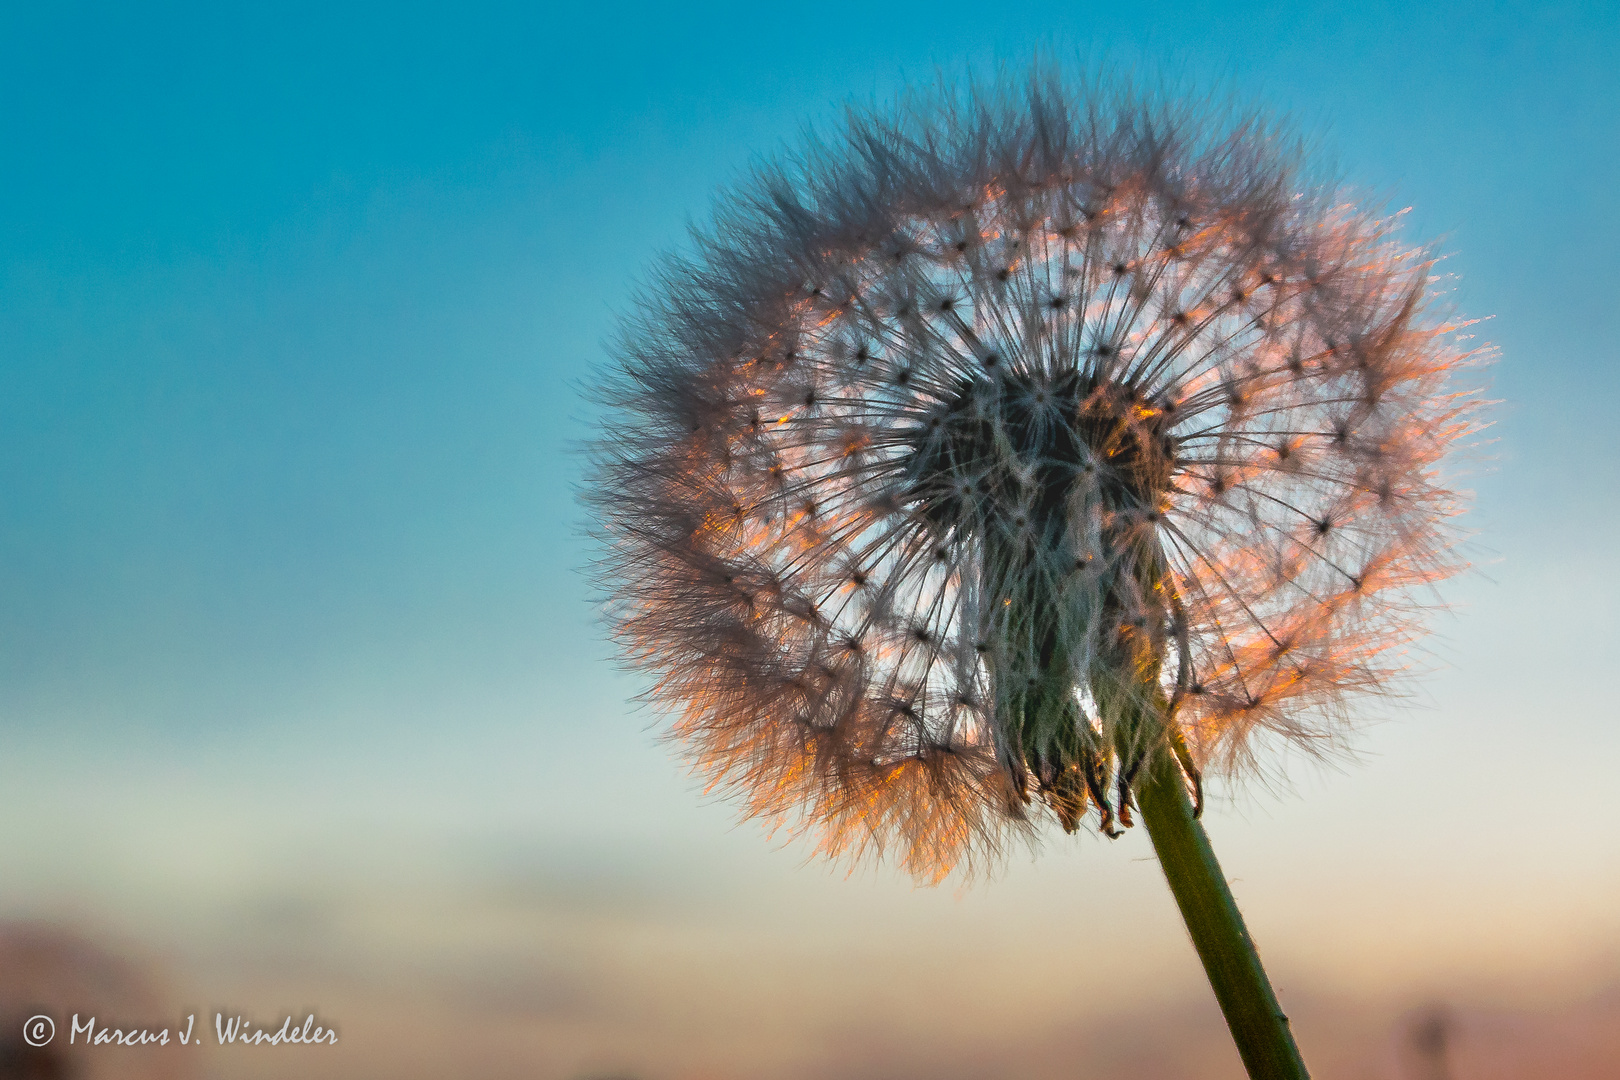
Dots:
{"x": 1079, "y": 408}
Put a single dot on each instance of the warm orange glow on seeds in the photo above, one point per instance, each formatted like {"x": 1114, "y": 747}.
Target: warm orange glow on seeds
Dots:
{"x": 1123, "y": 408}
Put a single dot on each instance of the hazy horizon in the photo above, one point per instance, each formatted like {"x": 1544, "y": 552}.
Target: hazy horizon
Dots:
{"x": 303, "y": 699}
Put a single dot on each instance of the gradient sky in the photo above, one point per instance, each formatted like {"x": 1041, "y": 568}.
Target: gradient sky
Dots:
{"x": 296, "y": 303}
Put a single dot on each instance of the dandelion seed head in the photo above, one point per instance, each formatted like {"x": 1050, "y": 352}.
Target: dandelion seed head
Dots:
{"x": 940, "y": 429}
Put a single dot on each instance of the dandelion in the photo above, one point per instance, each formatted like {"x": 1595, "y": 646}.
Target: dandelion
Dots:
{"x": 1019, "y": 459}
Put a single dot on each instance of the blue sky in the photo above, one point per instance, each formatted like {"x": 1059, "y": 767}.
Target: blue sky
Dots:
{"x": 296, "y": 302}
{"x": 295, "y": 308}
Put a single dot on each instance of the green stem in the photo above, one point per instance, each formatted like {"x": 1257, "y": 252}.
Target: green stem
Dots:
{"x": 1216, "y": 926}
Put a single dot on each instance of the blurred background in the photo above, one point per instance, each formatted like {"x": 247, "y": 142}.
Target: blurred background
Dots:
{"x": 303, "y": 704}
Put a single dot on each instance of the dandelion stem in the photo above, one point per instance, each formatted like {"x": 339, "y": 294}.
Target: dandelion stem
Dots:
{"x": 1257, "y": 1022}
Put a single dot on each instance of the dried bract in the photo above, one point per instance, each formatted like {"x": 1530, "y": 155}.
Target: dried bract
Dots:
{"x": 958, "y": 449}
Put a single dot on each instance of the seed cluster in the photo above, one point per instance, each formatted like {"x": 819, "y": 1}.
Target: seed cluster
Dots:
{"x": 939, "y": 433}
